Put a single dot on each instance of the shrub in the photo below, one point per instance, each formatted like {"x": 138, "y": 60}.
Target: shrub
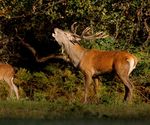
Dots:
{"x": 62, "y": 82}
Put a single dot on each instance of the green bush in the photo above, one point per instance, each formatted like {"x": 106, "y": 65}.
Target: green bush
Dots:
{"x": 4, "y": 90}
{"x": 22, "y": 76}
{"x": 62, "y": 82}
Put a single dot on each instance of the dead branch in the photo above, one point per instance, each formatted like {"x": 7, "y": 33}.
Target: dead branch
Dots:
{"x": 42, "y": 59}
{"x": 147, "y": 28}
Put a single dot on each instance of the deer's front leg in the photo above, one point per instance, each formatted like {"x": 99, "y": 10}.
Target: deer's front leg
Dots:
{"x": 96, "y": 85}
{"x": 88, "y": 79}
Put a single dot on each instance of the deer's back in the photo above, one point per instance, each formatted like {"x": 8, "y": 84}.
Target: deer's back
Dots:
{"x": 103, "y": 61}
{"x": 6, "y": 70}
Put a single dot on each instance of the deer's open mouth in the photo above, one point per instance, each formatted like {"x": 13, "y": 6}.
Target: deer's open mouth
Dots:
{"x": 53, "y": 34}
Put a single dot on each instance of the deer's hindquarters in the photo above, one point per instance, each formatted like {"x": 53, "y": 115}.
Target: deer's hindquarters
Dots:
{"x": 7, "y": 74}
{"x": 96, "y": 62}
{"x": 132, "y": 64}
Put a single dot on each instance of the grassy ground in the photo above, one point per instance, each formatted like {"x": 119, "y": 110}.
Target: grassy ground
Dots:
{"x": 71, "y": 122}
{"x": 31, "y": 112}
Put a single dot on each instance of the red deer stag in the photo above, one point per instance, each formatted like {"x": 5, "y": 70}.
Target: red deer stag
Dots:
{"x": 96, "y": 62}
{"x": 7, "y": 74}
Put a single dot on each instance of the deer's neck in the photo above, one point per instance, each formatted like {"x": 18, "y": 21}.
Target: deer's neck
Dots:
{"x": 75, "y": 52}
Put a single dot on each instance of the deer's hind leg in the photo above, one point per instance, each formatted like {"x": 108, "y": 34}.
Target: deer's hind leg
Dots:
{"x": 128, "y": 89}
{"x": 124, "y": 76}
{"x": 15, "y": 88}
{"x": 96, "y": 84}
{"x": 12, "y": 87}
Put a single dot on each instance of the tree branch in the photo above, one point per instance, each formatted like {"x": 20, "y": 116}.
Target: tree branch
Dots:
{"x": 42, "y": 59}
{"x": 147, "y": 28}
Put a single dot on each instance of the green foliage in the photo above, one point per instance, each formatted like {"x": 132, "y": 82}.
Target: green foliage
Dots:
{"x": 123, "y": 20}
{"x": 59, "y": 82}
{"x": 40, "y": 79}
{"x": 102, "y": 44}
{"x": 35, "y": 21}
{"x": 55, "y": 85}
{"x": 22, "y": 76}
{"x": 4, "y": 92}
{"x": 143, "y": 68}
{"x": 111, "y": 92}
{"x": 142, "y": 77}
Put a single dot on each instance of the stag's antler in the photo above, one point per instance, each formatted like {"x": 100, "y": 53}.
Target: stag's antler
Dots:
{"x": 74, "y": 28}
{"x": 86, "y": 33}
{"x": 97, "y": 35}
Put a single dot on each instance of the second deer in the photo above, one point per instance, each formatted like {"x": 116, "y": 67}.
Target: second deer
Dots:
{"x": 7, "y": 74}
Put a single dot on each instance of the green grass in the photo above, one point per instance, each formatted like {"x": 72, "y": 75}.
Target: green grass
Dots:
{"x": 72, "y": 122}
{"x": 64, "y": 113}
{"x": 64, "y": 110}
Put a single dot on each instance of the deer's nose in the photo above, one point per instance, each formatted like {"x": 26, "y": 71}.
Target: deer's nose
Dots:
{"x": 56, "y": 30}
